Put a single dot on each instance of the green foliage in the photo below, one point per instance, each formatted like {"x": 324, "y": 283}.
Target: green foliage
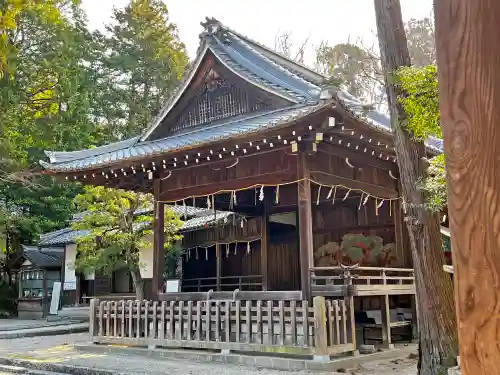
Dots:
{"x": 63, "y": 87}
{"x": 118, "y": 225}
{"x": 435, "y": 184}
{"x": 421, "y": 103}
{"x": 421, "y": 100}
{"x": 144, "y": 61}
{"x": 8, "y": 299}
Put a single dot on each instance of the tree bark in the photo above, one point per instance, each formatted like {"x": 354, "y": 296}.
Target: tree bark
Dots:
{"x": 438, "y": 343}
{"x": 469, "y": 75}
{"x": 138, "y": 283}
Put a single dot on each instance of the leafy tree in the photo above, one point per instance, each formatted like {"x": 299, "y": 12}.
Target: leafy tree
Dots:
{"x": 45, "y": 96}
{"x": 143, "y": 61}
{"x": 421, "y": 103}
{"x": 119, "y": 224}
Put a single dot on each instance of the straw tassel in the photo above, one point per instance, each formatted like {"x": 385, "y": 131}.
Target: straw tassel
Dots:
{"x": 319, "y": 195}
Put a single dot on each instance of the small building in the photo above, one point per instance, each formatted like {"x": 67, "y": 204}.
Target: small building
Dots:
{"x": 41, "y": 267}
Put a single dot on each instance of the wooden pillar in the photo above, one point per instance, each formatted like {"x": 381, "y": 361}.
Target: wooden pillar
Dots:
{"x": 159, "y": 242}
{"x": 305, "y": 224}
{"x": 469, "y": 77}
{"x": 219, "y": 265}
{"x": 264, "y": 243}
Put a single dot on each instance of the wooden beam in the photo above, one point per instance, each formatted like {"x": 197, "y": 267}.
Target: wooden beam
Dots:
{"x": 230, "y": 185}
{"x": 358, "y": 157}
{"x": 159, "y": 242}
{"x": 375, "y": 190}
{"x": 264, "y": 243}
{"x": 305, "y": 224}
{"x": 470, "y": 113}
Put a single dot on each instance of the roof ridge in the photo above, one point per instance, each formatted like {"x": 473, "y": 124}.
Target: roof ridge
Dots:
{"x": 274, "y": 63}
{"x": 249, "y": 41}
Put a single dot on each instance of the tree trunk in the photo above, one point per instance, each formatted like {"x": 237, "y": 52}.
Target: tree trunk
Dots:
{"x": 438, "y": 342}
{"x": 138, "y": 283}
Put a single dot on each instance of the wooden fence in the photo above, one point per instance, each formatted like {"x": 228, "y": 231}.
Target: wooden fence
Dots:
{"x": 361, "y": 281}
{"x": 293, "y": 327}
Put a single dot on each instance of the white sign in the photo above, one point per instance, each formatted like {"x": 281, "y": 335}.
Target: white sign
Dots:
{"x": 56, "y": 295}
{"x": 173, "y": 286}
{"x": 70, "y": 285}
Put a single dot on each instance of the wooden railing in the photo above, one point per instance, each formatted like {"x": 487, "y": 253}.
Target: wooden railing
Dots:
{"x": 353, "y": 280}
{"x": 250, "y": 282}
{"x": 292, "y": 327}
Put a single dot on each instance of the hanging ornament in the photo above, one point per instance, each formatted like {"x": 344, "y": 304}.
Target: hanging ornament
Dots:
{"x": 319, "y": 194}
{"x": 378, "y": 205}
{"x": 194, "y": 202}
{"x": 366, "y": 198}
{"x": 329, "y": 193}
{"x": 208, "y": 202}
{"x": 241, "y": 223}
{"x": 227, "y": 250}
{"x": 235, "y": 201}
{"x": 334, "y": 194}
{"x": 248, "y": 247}
{"x": 360, "y": 201}
{"x": 261, "y": 194}
{"x": 277, "y": 200}
{"x": 206, "y": 253}
{"x": 346, "y": 195}
{"x": 235, "y": 247}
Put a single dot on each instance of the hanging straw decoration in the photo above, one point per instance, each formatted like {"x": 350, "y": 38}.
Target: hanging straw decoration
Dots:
{"x": 227, "y": 250}
{"x": 329, "y": 193}
{"x": 248, "y": 247}
{"x": 334, "y": 194}
{"x": 378, "y": 205}
{"x": 319, "y": 195}
{"x": 366, "y": 198}
{"x": 277, "y": 200}
{"x": 208, "y": 202}
{"x": 197, "y": 254}
{"x": 235, "y": 201}
{"x": 235, "y": 247}
{"x": 241, "y": 223}
{"x": 206, "y": 253}
{"x": 261, "y": 194}
{"x": 346, "y": 195}
{"x": 360, "y": 201}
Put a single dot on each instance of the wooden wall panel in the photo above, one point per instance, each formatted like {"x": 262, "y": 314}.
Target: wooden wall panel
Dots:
{"x": 283, "y": 264}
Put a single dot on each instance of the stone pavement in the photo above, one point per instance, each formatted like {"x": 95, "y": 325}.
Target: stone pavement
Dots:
{"x": 60, "y": 355}
{"x": 23, "y": 328}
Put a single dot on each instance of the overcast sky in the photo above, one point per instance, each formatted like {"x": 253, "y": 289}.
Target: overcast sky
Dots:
{"x": 334, "y": 21}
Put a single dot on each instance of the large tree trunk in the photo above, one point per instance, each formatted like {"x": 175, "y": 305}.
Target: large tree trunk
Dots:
{"x": 438, "y": 342}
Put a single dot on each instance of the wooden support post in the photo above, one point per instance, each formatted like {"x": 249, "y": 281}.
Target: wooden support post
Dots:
{"x": 305, "y": 224}
{"x": 264, "y": 244}
{"x": 386, "y": 318}
{"x": 320, "y": 335}
{"x": 159, "y": 242}
{"x": 470, "y": 113}
{"x": 219, "y": 266}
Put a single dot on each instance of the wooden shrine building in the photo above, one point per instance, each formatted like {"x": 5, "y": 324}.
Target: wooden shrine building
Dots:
{"x": 252, "y": 132}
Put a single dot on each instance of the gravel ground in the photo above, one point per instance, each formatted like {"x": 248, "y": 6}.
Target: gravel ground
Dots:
{"x": 58, "y": 349}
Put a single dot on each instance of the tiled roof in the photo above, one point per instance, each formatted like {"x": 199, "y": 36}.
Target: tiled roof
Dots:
{"x": 223, "y": 129}
{"x": 44, "y": 257}
{"x": 253, "y": 62}
{"x": 200, "y": 218}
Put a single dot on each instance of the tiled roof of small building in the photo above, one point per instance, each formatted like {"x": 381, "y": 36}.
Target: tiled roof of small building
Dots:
{"x": 197, "y": 218}
{"x": 44, "y": 257}
{"x": 253, "y": 62}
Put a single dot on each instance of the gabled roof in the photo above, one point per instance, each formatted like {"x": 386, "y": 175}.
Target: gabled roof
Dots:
{"x": 46, "y": 258}
{"x": 258, "y": 65}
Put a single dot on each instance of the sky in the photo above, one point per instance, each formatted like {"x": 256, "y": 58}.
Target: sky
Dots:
{"x": 334, "y": 21}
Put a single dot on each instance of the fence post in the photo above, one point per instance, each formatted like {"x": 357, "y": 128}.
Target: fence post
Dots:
{"x": 320, "y": 335}
{"x": 94, "y": 303}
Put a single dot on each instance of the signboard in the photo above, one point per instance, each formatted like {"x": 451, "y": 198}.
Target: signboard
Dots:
{"x": 173, "y": 286}
{"x": 56, "y": 295}
{"x": 69, "y": 285}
